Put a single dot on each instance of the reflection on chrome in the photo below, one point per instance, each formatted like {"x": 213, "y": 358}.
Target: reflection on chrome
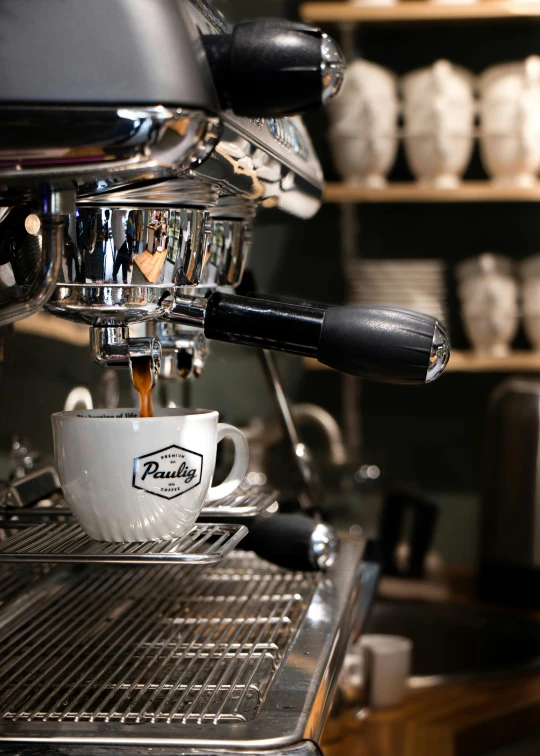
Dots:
{"x": 135, "y": 247}
{"x": 99, "y": 144}
{"x": 440, "y": 353}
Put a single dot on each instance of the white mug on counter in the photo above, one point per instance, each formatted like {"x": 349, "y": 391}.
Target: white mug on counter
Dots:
{"x": 363, "y": 132}
{"x": 376, "y": 671}
{"x": 439, "y": 122}
{"x": 131, "y": 478}
{"x": 510, "y": 121}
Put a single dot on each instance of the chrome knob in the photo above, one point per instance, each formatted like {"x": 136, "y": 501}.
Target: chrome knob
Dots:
{"x": 440, "y": 353}
{"x": 332, "y": 68}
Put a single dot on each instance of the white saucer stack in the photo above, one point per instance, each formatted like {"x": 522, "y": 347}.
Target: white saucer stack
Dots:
{"x": 414, "y": 284}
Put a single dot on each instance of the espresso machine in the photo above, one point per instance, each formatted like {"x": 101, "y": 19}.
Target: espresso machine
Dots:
{"x": 137, "y": 142}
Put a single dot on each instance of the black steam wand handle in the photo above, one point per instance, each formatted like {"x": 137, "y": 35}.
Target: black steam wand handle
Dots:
{"x": 379, "y": 343}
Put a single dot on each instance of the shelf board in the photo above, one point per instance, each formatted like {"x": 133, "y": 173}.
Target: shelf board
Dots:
{"x": 416, "y": 10}
{"x": 469, "y": 362}
{"x": 515, "y": 362}
{"x": 50, "y": 327}
{"x": 409, "y": 191}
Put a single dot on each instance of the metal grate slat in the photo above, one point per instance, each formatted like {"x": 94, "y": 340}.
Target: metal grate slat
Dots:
{"x": 244, "y": 502}
{"x": 206, "y": 543}
{"x": 16, "y": 579}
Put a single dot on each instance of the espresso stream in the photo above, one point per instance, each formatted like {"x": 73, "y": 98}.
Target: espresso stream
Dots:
{"x": 142, "y": 380}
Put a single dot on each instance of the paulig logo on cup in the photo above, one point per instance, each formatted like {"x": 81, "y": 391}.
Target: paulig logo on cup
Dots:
{"x": 168, "y": 472}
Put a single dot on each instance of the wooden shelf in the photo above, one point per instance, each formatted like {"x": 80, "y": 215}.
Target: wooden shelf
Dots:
{"x": 50, "y": 327}
{"x": 409, "y": 191}
{"x": 469, "y": 362}
{"x": 416, "y": 10}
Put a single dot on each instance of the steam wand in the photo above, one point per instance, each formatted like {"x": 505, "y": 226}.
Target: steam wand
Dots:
{"x": 310, "y": 497}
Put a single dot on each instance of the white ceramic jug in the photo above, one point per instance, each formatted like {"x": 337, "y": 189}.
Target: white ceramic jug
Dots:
{"x": 489, "y": 303}
{"x": 510, "y": 121}
{"x": 439, "y": 120}
{"x": 363, "y": 132}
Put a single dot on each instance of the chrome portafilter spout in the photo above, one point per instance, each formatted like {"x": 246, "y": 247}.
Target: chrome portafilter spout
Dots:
{"x": 112, "y": 347}
{"x": 134, "y": 264}
{"x": 183, "y": 350}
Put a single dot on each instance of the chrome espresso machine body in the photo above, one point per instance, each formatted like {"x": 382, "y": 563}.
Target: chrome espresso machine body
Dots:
{"x": 138, "y": 138}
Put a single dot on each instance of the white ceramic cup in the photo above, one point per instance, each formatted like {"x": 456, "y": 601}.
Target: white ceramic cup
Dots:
{"x": 388, "y": 659}
{"x": 364, "y": 160}
{"x": 439, "y": 119}
{"x": 376, "y": 671}
{"x": 529, "y": 269}
{"x": 510, "y": 121}
{"x": 438, "y": 159}
{"x": 128, "y": 478}
{"x": 489, "y": 302}
{"x": 531, "y": 323}
{"x": 492, "y": 333}
{"x": 363, "y": 134}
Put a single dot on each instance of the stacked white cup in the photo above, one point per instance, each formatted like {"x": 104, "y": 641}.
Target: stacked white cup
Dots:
{"x": 363, "y": 132}
{"x": 529, "y": 270}
{"x": 489, "y": 303}
{"x": 510, "y": 122}
{"x": 439, "y": 122}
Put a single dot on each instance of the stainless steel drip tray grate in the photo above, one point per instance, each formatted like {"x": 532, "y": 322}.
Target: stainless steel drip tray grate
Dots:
{"x": 244, "y": 502}
{"x": 206, "y": 543}
{"x": 149, "y": 645}
{"x": 17, "y": 579}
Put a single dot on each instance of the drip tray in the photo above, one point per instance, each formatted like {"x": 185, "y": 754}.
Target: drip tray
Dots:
{"x": 243, "y": 656}
{"x": 163, "y": 645}
{"x": 206, "y": 543}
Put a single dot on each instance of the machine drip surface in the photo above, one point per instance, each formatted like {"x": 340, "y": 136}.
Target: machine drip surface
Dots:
{"x": 158, "y": 645}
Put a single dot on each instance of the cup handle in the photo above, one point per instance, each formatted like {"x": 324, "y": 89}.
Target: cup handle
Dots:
{"x": 240, "y": 464}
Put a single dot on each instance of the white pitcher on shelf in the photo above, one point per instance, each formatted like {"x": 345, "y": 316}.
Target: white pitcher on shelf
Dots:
{"x": 439, "y": 123}
{"x": 529, "y": 270}
{"x": 363, "y": 131}
{"x": 510, "y": 122}
{"x": 488, "y": 294}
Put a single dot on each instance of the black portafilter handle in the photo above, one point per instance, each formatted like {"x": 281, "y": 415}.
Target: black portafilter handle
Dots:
{"x": 292, "y": 541}
{"x": 383, "y": 344}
